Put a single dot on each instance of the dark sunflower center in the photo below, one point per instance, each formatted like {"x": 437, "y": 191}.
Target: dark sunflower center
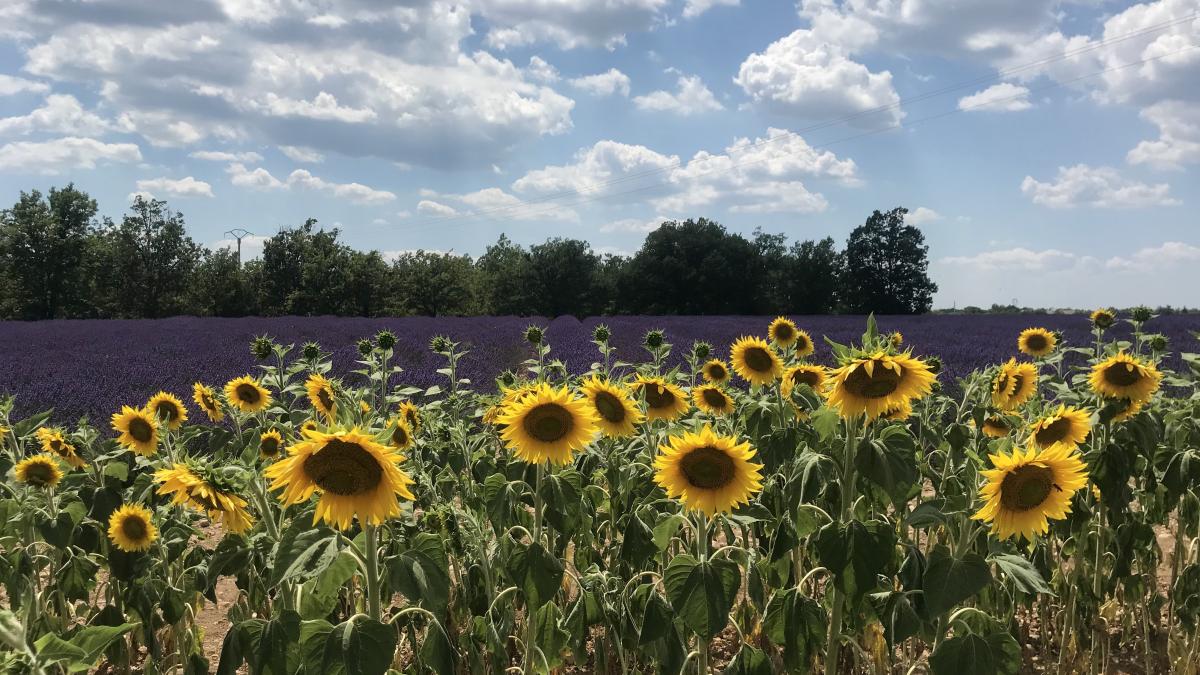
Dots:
{"x": 1003, "y": 382}
{"x": 410, "y": 415}
{"x": 141, "y": 430}
{"x": 39, "y": 473}
{"x": 1053, "y": 432}
{"x": 879, "y": 384}
{"x": 758, "y": 360}
{"x": 1122, "y": 375}
{"x": 996, "y": 423}
{"x": 809, "y": 377}
{"x": 1017, "y": 382}
{"x": 802, "y": 343}
{"x": 609, "y": 407}
{"x": 344, "y": 468}
{"x": 56, "y": 445}
{"x": 134, "y": 528}
{"x": 166, "y": 409}
{"x": 269, "y": 446}
{"x": 325, "y": 398}
{"x": 207, "y": 402}
{"x": 205, "y": 502}
{"x": 548, "y": 422}
{"x": 714, "y": 398}
{"x": 1036, "y": 342}
{"x": 1026, "y": 487}
{"x": 716, "y": 372}
{"x": 658, "y": 396}
{"x": 784, "y": 332}
{"x": 707, "y": 468}
{"x": 399, "y": 436}
{"x": 248, "y": 393}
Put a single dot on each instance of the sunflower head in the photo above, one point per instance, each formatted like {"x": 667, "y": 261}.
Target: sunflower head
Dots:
{"x": 895, "y": 339}
{"x": 386, "y": 339}
{"x": 194, "y": 485}
{"x": 168, "y": 409}
{"x": 355, "y": 476}
{"x": 701, "y": 350}
{"x": 996, "y": 426}
{"x": 400, "y": 434}
{"x": 270, "y": 444}
{"x": 1028, "y": 488}
{"x": 247, "y": 395}
{"x": 39, "y": 471}
{"x": 1064, "y": 426}
{"x": 548, "y": 425}
{"x": 601, "y": 334}
{"x": 320, "y": 395}
{"x": 311, "y": 351}
{"x": 654, "y": 339}
{"x": 137, "y": 430}
{"x": 1103, "y": 319}
{"x": 1120, "y": 409}
{"x": 664, "y": 401}
{"x": 900, "y": 412}
{"x": 1036, "y": 342}
{"x": 877, "y": 383}
{"x": 1014, "y": 384}
{"x": 411, "y": 414}
{"x": 755, "y": 361}
{"x": 617, "y": 413}
{"x": 53, "y": 442}
{"x": 262, "y": 347}
{"x": 712, "y": 399}
{"x": 1141, "y": 314}
{"x": 534, "y": 335}
{"x": 783, "y": 331}
{"x": 309, "y": 426}
{"x": 715, "y": 371}
{"x": 206, "y": 398}
{"x": 805, "y": 373}
{"x": 131, "y": 528}
{"x": 708, "y": 472}
{"x": 1125, "y": 376}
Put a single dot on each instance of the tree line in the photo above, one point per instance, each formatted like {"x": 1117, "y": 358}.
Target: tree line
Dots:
{"x": 58, "y": 260}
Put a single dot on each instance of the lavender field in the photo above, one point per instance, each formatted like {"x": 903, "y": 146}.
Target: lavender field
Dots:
{"x": 89, "y": 368}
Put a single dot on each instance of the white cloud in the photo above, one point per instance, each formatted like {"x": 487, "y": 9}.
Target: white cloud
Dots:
{"x": 1102, "y": 187}
{"x": 221, "y": 156}
{"x": 1016, "y": 259}
{"x": 635, "y": 225}
{"x": 258, "y": 179}
{"x": 1003, "y": 97}
{"x": 182, "y": 187}
{"x": 61, "y": 114}
{"x": 252, "y": 245}
{"x": 690, "y": 98}
{"x": 61, "y": 154}
{"x": 1170, "y": 254}
{"x": 567, "y": 23}
{"x": 355, "y": 192}
{"x": 141, "y": 194}
{"x": 300, "y": 154}
{"x": 160, "y": 128}
{"x": 542, "y": 71}
{"x": 922, "y": 216}
{"x": 802, "y": 75}
{"x": 695, "y": 8}
{"x": 1178, "y": 136}
{"x": 607, "y": 83}
{"x": 324, "y": 107}
{"x": 497, "y": 204}
{"x": 432, "y": 208}
{"x": 10, "y": 85}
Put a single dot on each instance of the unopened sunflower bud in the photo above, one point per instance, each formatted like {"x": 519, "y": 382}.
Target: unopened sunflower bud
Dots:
{"x": 261, "y": 347}
{"x": 386, "y": 339}
{"x": 655, "y": 339}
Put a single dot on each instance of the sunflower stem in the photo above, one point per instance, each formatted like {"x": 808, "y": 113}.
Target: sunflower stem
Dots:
{"x": 702, "y": 548}
{"x": 372, "y": 562}
{"x": 847, "y": 500}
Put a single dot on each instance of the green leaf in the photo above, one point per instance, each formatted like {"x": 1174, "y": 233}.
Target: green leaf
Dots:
{"x": 825, "y": 421}
{"x": 749, "y": 661}
{"x": 320, "y": 595}
{"x": 535, "y": 571}
{"x": 303, "y": 553}
{"x": 437, "y": 651}
{"x": 279, "y": 637}
{"x": 422, "y": 573}
{"x": 925, "y": 515}
{"x": 889, "y": 463}
{"x": 549, "y": 637}
{"x": 313, "y": 635}
{"x": 1023, "y": 574}
{"x": 561, "y": 498}
{"x": 856, "y": 553}
{"x": 360, "y": 646}
{"x": 948, "y": 580}
{"x": 702, "y": 593}
{"x": 637, "y": 542}
{"x": 796, "y": 624}
{"x": 656, "y": 619}
{"x": 996, "y": 654}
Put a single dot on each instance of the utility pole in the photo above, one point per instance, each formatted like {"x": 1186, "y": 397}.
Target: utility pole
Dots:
{"x": 238, "y": 233}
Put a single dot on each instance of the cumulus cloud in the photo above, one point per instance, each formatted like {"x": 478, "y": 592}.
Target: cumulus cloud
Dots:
{"x": 567, "y": 23}
{"x": 542, "y": 71}
{"x": 303, "y": 155}
{"x": 497, "y": 204}
{"x": 1102, "y": 187}
{"x": 10, "y": 85}
{"x": 635, "y": 225}
{"x": 607, "y": 83}
{"x": 1178, "y": 140}
{"x": 691, "y": 97}
{"x": 1003, "y": 97}
{"x": 222, "y": 156}
{"x": 1168, "y": 255}
{"x": 695, "y": 8}
{"x": 60, "y": 114}
{"x": 261, "y": 179}
{"x": 62, "y": 154}
{"x": 922, "y": 216}
{"x": 182, "y": 187}
{"x": 257, "y": 179}
{"x": 432, "y": 208}
{"x": 1016, "y": 259}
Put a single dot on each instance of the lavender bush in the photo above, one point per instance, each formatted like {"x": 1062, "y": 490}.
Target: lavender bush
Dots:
{"x": 89, "y": 368}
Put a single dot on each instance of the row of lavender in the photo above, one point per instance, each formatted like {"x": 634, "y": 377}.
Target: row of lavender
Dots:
{"x": 89, "y": 368}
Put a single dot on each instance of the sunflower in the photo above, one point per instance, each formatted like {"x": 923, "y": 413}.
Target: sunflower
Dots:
{"x": 895, "y": 339}
{"x": 186, "y": 486}
{"x": 1027, "y": 488}
{"x": 715, "y": 371}
{"x": 805, "y": 373}
{"x": 320, "y": 395}
{"x": 247, "y": 395}
{"x": 1068, "y": 426}
{"x": 355, "y": 476}
{"x": 138, "y": 430}
{"x": 1125, "y": 376}
{"x": 878, "y": 383}
{"x": 411, "y": 414}
{"x": 996, "y": 426}
{"x": 38, "y": 471}
{"x": 401, "y": 436}
{"x": 617, "y": 413}
{"x": 1015, "y": 383}
{"x": 270, "y": 444}
{"x": 206, "y": 398}
{"x": 1036, "y": 342}
{"x": 1129, "y": 408}
{"x": 664, "y": 401}
{"x": 755, "y": 361}
{"x": 131, "y": 528}
{"x": 712, "y": 399}
{"x": 308, "y": 427}
{"x": 548, "y": 425}
{"x": 168, "y": 408}
{"x": 804, "y": 345}
{"x": 53, "y": 441}
{"x": 1103, "y": 319}
{"x": 900, "y": 412}
{"x": 707, "y": 472}
{"x": 783, "y": 331}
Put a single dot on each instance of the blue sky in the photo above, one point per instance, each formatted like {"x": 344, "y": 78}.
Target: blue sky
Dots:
{"x": 1049, "y": 149}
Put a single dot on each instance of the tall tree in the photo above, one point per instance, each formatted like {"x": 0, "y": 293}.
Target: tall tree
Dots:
{"x": 886, "y": 267}
{"x": 565, "y": 270}
{"x": 433, "y": 284}
{"x": 218, "y": 286}
{"x": 506, "y": 280}
{"x": 42, "y": 244}
{"x": 813, "y": 276}
{"x": 151, "y": 260}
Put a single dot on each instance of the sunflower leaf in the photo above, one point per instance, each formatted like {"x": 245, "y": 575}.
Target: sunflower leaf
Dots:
{"x": 702, "y": 593}
{"x": 949, "y": 580}
{"x": 1023, "y": 574}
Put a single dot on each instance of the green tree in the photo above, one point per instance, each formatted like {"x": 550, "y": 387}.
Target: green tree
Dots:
{"x": 812, "y": 277}
{"x": 506, "y": 280}
{"x": 367, "y": 284}
{"x": 886, "y": 267}
{"x": 218, "y": 285}
{"x": 151, "y": 259}
{"x": 433, "y": 284}
{"x": 772, "y": 273}
{"x": 305, "y": 271}
{"x": 565, "y": 273}
{"x": 42, "y": 243}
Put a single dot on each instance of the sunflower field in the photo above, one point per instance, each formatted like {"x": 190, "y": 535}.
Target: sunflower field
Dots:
{"x": 742, "y": 510}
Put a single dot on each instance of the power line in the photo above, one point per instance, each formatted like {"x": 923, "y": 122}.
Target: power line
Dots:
{"x": 1000, "y": 75}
